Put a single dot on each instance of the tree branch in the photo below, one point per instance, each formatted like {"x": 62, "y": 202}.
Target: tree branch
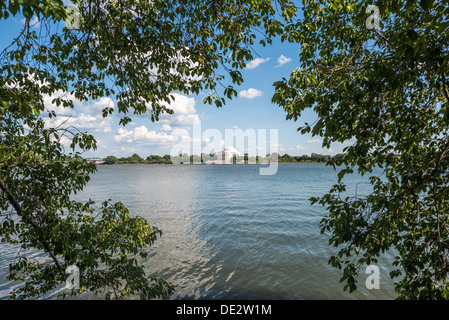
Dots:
{"x": 16, "y": 205}
{"x": 427, "y": 177}
{"x": 446, "y": 93}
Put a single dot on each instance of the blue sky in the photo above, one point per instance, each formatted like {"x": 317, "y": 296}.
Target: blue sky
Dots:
{"x": 250, "y": 111}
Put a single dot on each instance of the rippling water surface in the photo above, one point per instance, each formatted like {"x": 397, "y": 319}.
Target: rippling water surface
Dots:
{"x": 231, "y": 233}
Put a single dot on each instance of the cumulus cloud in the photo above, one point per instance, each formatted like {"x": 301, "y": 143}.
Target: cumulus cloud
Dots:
{"x": 85, "y": 116}
{"x": 143, "y": 135}
{"x": 279, "y": 147}
{"x": 314, "y": 141}
{"x": 256, "y": 62}
{"x": 251, "y": 93}
{"x": 91, "y": 123}
{"x": 283, "y": 60}
{"x": 128, "y": 149}
{"x": 185, "y": 113}
{"x": 175, "y": 128}
{"x": 166, "y": 127}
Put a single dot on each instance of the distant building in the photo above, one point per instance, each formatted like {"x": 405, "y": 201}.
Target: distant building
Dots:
{"x": 95, "y": 160}
{"x": 226, "y": 156}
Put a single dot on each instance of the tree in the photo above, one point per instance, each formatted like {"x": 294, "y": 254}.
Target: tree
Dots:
{"x": 103, "y": 241}
{"x": 111, "y": 160}
{"x": 286, "y": 158}
{"x": 155, "y": 159}
{"x": 380, "y": 83}
{"x": 303, "y": 158}
{"x": 135, "y": 158}
{"x": 167, "y": 158}
{"x": 316, "y": 157}
{"x": 138, "y": 52}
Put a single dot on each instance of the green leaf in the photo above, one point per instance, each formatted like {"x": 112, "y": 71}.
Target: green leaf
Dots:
{"x": 427, "y": 4}
{"x": 13, "y": 7}
{"x": 27, "y": 12}
{"x": 412, "y": 34}
{"x": 409, "y": 52}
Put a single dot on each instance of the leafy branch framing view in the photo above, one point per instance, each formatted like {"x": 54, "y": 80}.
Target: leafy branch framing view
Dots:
{"x": 384, "y": 88}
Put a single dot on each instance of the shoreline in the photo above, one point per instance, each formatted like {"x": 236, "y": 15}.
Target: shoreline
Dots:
{"x": 216, "y": 164}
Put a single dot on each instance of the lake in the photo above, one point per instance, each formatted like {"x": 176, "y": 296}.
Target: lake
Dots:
{"x": 231, "y": 233}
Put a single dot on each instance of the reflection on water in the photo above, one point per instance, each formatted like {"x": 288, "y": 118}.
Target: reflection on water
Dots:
{"x": 230, "y": 233}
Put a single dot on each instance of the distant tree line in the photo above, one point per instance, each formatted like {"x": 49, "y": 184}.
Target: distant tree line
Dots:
{"x": 185, "y": 158}
{"x": 135, "y": 158}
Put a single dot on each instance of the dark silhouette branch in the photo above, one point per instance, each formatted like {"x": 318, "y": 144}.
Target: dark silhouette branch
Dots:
{"x": 16, "y": 205}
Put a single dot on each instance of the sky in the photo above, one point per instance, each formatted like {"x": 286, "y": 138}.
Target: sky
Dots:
{"x": 249, "y": 122}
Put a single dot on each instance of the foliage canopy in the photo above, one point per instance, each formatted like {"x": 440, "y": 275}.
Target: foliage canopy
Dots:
{"x": 138, "y": 52}
{"x": 385, "y": 91}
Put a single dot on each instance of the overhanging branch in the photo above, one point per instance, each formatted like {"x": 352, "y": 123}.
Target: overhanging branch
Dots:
{"x": 16, "y": 205}
{"x": 446, "y": 93}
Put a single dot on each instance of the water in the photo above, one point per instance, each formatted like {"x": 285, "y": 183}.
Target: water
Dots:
{"x": 230, "y": 233}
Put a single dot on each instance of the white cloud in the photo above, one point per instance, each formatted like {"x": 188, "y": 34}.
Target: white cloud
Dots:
{"x": 152, "y": 72}
{"x": 256, "y": 62}
{"x": 181, "y": 132}
{"x": 174, "y": 128}
{"x": 184, "y": 112}
{"x": 143, "y": 135}
{"x": 300, "y": 147}
{"x": 128, "y": 149}
{"x": 280, "y": 147}
{"x": 314, "y": 141}
{"x": 64, "y": 141}
{"x": 91, "y": 123}
{"x": 283, "y": 60}
{"x": 97, "y": 106}
{"x": 251, "y": 93}
{"x": 166, "y": 127}
{"x": 60, "y": 111}
{"x": 84, "y": 116}
{"x": 87, "y": 116}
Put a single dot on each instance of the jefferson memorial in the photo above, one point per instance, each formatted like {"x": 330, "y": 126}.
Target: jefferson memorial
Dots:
{"x": 226, "y": 156}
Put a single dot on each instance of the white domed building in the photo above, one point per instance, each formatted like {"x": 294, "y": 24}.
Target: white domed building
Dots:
{"x": 226, "y": 156}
